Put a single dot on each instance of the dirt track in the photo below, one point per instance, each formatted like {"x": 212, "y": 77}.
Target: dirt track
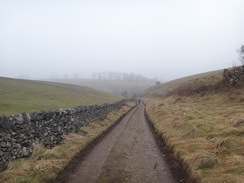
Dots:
{"x": 128, "y": 153}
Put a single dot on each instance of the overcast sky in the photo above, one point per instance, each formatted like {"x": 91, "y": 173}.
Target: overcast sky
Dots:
{"x": 166, "y": 39}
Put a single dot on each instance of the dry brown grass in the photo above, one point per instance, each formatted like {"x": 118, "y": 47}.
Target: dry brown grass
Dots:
{"x": 186, "y": 85}
{"x": 44, "y": 164}
{"x": 205, "y": 132}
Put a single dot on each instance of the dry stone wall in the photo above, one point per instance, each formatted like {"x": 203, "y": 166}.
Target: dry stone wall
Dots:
{"x": 234, "y": 76}
{"x": 21, "y": 132}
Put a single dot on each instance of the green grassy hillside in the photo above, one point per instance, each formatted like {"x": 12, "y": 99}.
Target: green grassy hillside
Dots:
{"x": 17, "y": 96}
{"x": 204, "y": 129}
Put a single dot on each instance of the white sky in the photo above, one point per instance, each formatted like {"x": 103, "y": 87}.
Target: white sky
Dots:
{"x": 166, "y": 39}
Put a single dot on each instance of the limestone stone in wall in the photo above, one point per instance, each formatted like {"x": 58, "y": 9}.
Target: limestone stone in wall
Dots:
{"x": 21, "y": 132}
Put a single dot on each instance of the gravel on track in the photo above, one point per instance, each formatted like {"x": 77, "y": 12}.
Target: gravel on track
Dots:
{"x": 127, "y": 154}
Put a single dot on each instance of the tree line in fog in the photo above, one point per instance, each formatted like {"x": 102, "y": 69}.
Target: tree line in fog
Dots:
{"x": 119, "y": 76}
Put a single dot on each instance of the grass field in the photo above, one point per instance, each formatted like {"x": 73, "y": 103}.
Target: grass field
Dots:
{"x": 17, "y": 96}
{"x": 205, "y": 130}
{"x": 45, "y": 164}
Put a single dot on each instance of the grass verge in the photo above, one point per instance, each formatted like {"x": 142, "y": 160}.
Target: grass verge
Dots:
{"x": 205, "y": 133}
{"x": 45, "y": 164}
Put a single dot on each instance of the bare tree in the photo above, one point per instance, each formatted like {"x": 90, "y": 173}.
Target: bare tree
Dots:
{"x": 99, "y": 75}
{"x": 110, "y": 75}
{"x": 241, "y": 54}
{"x": 104, "y": 75}
{"x": 76, "y": 76}
{"x": 94, "y": 75}
{"x": 158, "y": 82}
{"x": 124, "y": 94}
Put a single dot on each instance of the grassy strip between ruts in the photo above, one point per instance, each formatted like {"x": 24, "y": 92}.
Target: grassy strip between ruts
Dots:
{"x": 205, "y": 133}
{"x": 45, "y": 164}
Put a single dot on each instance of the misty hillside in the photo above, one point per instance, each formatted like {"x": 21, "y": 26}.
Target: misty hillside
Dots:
{"x": 165, "y": 88}
{"x": 201, "y": 118}
{"x": 18, "y": 96}
{"x": 117, "y": 87}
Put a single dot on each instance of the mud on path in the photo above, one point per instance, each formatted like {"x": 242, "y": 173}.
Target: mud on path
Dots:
{"x": 128, "y": 153}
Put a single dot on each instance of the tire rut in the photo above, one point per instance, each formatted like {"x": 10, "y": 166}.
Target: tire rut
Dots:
{"x": 128, "y": 153}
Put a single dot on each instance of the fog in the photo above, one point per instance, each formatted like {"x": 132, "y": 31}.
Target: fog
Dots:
{"x": 163, "y": 39}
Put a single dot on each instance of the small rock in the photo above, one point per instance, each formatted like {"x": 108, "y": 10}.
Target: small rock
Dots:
{"x": 8, "y": 144}
{"x": 28, "y": 117}
{"x": 19, "y": 118}
{"x": 18, "y": 146}
{"x": 3, "y": 144}
{"x": 2, "y": 134}
{"x": 10, "y": 149}
{"x": 45, "y": 134}
{"x": 25, "y": 152}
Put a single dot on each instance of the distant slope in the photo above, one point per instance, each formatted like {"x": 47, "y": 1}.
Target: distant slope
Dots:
{"x": 18, "y": 96}
{"x": 112, "y": 86}
{"x": 164, "y": 88}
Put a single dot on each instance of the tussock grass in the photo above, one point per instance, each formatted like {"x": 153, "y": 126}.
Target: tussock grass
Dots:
{"x": 44, "y": 164}
{"x": 17, "y": 96}
{"x": 205, "y": 132}
{"x": 186, "y": 85}
{"x": 204, "y": 129}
